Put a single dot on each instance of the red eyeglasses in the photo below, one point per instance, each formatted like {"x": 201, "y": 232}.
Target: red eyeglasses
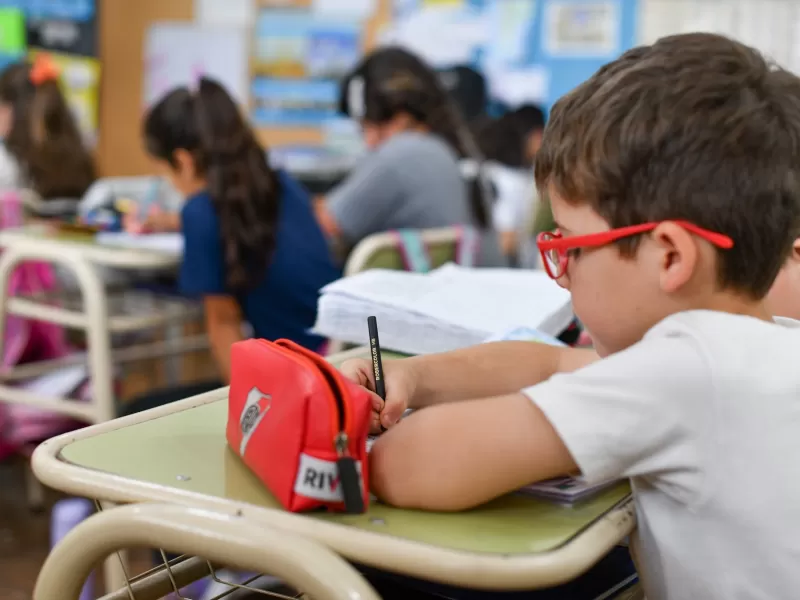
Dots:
{"x": 555, "y": 248}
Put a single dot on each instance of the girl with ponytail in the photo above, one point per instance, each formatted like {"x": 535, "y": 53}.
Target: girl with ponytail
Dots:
{"x": 424, "y": 169}
{"x": 253, "y": 251}
{"x": 42, "y": 146}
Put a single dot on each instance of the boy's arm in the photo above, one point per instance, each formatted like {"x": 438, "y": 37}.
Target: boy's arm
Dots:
{"x": 648, "y": 410}
{"x": 455, "y": 456}
{"x": 489, "y": 370}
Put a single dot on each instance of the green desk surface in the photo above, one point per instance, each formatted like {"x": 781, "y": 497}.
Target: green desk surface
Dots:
{"x": 50, "y": 232}
{"x": 187, "y": 450}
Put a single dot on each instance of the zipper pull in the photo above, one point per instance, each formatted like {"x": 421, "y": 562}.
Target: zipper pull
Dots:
{"x": 348, "y": 476}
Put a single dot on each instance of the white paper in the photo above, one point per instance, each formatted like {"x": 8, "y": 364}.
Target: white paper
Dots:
{"x": 527, "y": 85}
{"x": 178, "y": 54}
{"x": 660, "y": 18}
{"x": 586, "y": 29}
{"x": 59, "y": 383}
{"x": 167, "y": 243}
{"x": 525, "y": 334}
{"x": 451, "y": 307}
{"x": 718, "y": 17}
{"x": 510, "y": 21}
{"x": 344, "y": 10}
{"x": 236, "y": 13}
{"x": 443, "y": 36}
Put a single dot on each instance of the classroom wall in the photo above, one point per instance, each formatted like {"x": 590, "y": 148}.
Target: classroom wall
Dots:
{"x": 123, "y": 27}
{"x": 123, "y": 24}
{"x": 566, "y": 73}
{"x": 772, "y": 26}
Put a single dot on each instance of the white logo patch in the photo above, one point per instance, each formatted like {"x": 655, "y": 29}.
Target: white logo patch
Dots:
{"x": 257, "y": 405}
{"x": 319, "y": 479}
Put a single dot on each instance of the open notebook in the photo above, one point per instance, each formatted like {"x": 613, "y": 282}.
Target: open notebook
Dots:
{"x": 449, "y": 308}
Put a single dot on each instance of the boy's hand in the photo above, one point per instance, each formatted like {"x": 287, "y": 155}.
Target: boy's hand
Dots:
{"x": 399, "y": 389}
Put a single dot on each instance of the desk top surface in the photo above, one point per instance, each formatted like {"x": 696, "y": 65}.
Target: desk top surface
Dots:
{"x": 187, "y": 450}
{"x": 49, "y": 239}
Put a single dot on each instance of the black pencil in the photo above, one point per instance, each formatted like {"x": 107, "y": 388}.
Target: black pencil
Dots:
{"x": 377, "y": 364}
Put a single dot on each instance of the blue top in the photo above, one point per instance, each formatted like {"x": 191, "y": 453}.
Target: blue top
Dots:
{"x": 284, "y": 303}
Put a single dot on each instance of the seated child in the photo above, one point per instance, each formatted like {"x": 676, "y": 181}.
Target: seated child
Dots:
{"x": 42, "y": 146}
{"x": 253, "y": 251}
{"x": 673, "y": 177}
{"x": 410, "y": 178}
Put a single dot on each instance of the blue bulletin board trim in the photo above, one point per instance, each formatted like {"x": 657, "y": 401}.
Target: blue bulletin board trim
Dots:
{"x": 569, "y": 72}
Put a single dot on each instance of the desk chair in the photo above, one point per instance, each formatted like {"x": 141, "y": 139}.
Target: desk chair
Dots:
{"x": 382, "y": 251}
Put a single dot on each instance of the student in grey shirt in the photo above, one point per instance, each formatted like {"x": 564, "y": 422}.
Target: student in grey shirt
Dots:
{"x": 411, "y": 178}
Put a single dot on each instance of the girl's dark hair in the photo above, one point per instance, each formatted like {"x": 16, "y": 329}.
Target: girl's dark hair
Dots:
{"x": 244, "y": 190}
{"x": 392, "y": 81}
{"x": 44, "y": 138}
{"x": 505, "y": 138}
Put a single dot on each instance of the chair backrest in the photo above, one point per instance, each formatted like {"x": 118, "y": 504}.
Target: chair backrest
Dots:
{"x": 384, "y": 250}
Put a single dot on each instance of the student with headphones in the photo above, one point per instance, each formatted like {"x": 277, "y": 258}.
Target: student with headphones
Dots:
{"x": 411, "y": 178}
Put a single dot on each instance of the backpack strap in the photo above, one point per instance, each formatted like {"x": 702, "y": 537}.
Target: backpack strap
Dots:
{"x": 468, "y": 246}
{"x": 413, "y": 250}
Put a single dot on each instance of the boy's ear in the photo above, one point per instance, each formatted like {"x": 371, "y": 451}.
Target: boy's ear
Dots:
{"x": 678, "y": 255}
{"x": 795, "y": 255}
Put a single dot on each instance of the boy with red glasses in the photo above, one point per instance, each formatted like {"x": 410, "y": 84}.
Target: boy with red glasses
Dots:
{"x": 674, "y": 177}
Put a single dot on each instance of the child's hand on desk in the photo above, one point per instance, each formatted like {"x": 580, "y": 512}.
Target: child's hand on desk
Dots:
{"x": 399, "y": 389}
{"x": 157, "y": 221}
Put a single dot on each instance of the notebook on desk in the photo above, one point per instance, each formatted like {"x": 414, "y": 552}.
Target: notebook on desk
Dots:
{"x": 451, "y": 307}
{"x": 167, "y": 243}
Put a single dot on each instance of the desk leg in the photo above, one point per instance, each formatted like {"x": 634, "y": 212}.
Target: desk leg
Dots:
{"x": 115, "y": 568}
{"x": 173, "y": 364}
{"x": 114, "y": 571}
{"x": 98, "y": 337}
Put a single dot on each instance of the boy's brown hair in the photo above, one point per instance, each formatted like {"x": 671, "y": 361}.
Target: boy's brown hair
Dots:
{"x": 695, "y": 127}
{"x": 44, "y": 137}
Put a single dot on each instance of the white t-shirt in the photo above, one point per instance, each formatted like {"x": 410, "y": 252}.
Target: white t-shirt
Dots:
{"x": 516, "y": 196}
{"x": 704, "y": 416}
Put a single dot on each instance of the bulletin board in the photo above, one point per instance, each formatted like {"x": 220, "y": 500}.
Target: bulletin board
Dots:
{"x": 123, "y": 29}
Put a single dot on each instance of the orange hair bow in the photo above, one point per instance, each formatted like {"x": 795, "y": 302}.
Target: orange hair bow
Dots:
{"x": 43, "y": 69}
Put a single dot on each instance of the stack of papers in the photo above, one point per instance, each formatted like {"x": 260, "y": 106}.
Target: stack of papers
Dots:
{"x": 565, "y": 489}
{"x": 166, "y": 243}
{"x": 449, "y": 308}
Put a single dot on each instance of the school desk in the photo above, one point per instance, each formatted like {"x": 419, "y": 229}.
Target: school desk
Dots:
{"x": 85, "y": 260}
{"x": 177, "y": 455}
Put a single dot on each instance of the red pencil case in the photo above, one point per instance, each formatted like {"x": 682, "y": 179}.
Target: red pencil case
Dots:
{"x": 299, "y": 425}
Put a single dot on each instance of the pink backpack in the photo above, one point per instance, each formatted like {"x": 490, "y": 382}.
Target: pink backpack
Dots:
{"x": 28, "y": 341}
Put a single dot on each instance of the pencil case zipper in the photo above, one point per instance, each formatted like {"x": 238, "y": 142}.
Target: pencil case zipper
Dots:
{"x": 345, "y": 463}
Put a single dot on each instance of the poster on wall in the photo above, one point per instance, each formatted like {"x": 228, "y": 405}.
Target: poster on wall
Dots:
{"x": 12, "y": 36}
{"x": 178, "y": 54}
{"x": 62, "y": 25}
{"x": 80, "y": 83}
{"x": 282, "y": 41}
{"x": 582, "y": 29}
{"x": 293, "y": 102}
{"x": 297, "y": 43}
